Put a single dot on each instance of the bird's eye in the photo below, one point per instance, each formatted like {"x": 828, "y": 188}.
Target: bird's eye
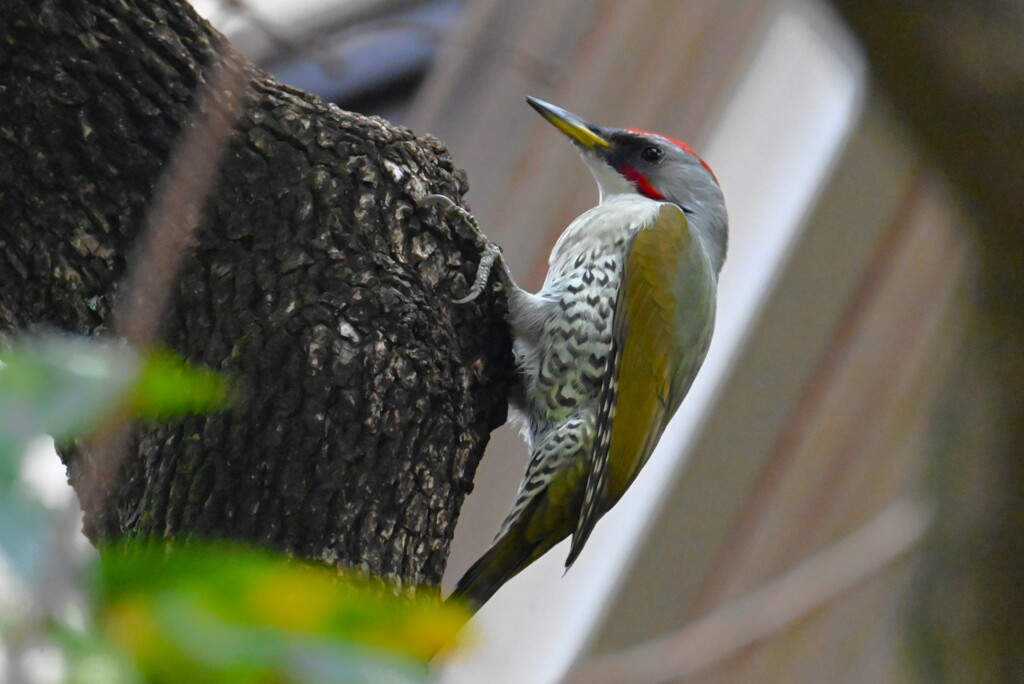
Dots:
{"x": 652, "y": 154}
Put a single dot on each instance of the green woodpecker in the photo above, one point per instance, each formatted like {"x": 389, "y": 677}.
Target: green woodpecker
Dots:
{"x": 609, "y": 347}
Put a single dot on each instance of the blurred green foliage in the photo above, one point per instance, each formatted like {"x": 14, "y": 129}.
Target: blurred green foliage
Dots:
{"x": 190, "y": 612}
{"x": 233, "y": 614}
{"x": 59, "y": 385}
{"x": 68, "y": 386}
{"x": 167, "y": 386}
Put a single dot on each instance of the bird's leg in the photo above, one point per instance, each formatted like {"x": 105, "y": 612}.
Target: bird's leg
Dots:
{"x": 490, "y": 252}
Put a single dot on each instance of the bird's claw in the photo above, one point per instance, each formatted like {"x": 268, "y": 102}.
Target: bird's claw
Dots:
{"x": 437, "y": 201}
{"x": 453, "y": 211}
{"x": 490, "y": 252}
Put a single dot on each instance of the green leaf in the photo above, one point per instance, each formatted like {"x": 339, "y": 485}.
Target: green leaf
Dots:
{"x": 67, "y": 386}
{"x": 168, "y": 386}
{"x": 227, "y": 613}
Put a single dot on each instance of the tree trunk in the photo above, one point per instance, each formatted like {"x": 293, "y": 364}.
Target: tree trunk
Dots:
{"x": 365, "y": 396}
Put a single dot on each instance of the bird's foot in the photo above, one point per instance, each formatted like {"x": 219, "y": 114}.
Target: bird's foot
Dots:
{"x": 490, "y": 252}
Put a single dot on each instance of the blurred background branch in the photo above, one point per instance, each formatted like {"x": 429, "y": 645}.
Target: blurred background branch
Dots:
{"x": 768, "y": 610}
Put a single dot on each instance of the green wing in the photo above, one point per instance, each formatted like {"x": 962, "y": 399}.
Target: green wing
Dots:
{"x": 664, "y": 276}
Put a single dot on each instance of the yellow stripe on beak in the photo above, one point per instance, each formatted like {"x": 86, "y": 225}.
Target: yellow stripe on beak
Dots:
{"x": 573, "y": 126}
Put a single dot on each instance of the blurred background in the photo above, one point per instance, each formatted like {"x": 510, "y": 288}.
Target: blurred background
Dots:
{"x": 774, "y": 534}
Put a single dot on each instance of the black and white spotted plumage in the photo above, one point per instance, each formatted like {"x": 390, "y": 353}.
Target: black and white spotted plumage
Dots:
{"x": 597, "y": 479}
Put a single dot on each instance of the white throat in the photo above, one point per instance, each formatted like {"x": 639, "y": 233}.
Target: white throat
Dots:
{"x": 610, "y": 182}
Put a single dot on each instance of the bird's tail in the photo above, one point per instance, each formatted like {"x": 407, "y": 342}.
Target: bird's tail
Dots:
{"x": 506, "y": 558}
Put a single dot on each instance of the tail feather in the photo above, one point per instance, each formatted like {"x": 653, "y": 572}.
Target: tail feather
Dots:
{"x": 504, "y": 560}
{"x": 546, "y": 520}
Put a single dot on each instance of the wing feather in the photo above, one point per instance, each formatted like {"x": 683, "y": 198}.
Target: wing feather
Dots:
{"x": 636, "y": 398}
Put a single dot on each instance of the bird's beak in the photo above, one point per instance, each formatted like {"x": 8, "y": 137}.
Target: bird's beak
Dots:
{"x": 578, "y": 130}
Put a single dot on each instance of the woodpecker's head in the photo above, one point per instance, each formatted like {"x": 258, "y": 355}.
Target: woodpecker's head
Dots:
{"x": 628, "y": 161}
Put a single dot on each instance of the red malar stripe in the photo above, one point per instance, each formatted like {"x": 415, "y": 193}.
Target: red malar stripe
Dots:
{"x": 640, "y": 182}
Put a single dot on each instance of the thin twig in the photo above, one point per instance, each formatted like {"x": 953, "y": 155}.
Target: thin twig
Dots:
{"x": 173, "y": 216}
{"x": 766, "y": 611}
{"x": 176, "y": 208}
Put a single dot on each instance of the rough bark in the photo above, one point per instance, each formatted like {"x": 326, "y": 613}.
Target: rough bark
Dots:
{"x": 956, "y": 70}
{"x": 365, "y": 396}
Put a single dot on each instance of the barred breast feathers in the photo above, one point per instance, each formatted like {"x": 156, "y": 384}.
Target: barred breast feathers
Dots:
{"x": 599, "y": 231}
